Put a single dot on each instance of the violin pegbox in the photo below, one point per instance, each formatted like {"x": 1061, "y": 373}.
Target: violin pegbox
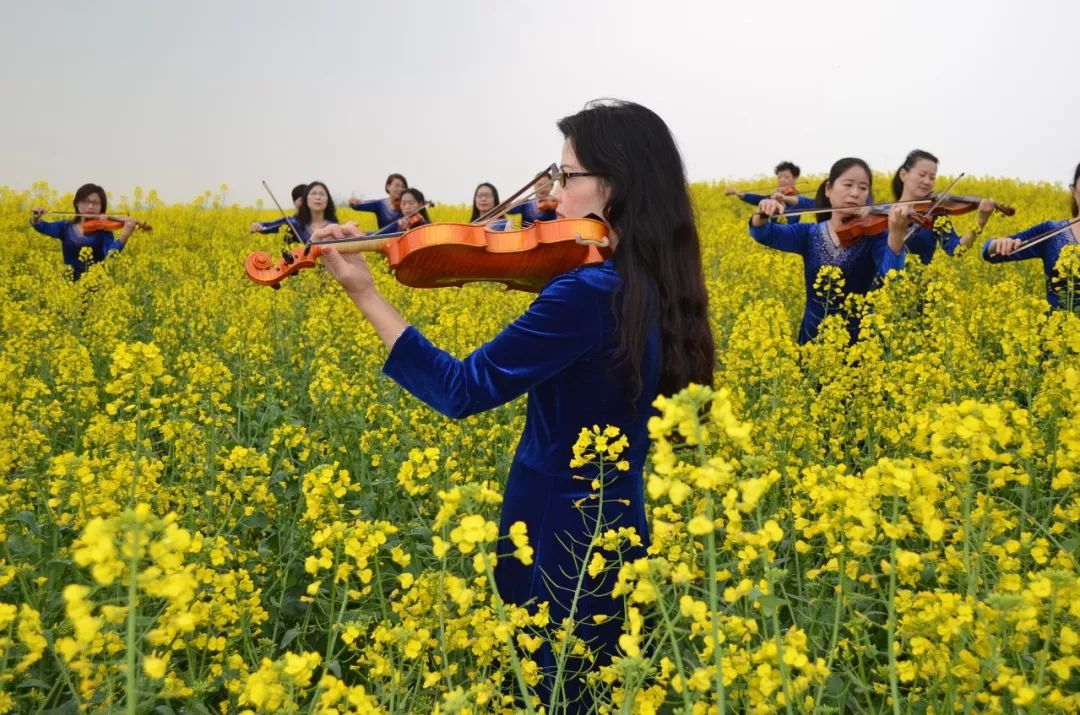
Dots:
{"x": 262, "y": 269}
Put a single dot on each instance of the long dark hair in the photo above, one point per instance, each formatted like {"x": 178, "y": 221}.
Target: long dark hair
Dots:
{"x": 821, "y": 201}
{"x": 85, "y": 190}
{"x": 659, "y": 254}
{"x": 303, "y": 216}
{"x": 1072, "y": 199}
{"x": 476, "y": 211}
{"x": 912, "y": 159}
{"x": 419, "y": 196}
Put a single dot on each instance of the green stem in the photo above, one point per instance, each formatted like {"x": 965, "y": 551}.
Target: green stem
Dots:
{"x": 894, "y": 686}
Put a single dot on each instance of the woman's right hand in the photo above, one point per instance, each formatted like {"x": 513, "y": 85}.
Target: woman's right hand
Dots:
{"x": 256, "y": 227}
{"x": 1004, "y": 246}
{"x": 348, "y": 269}
{"x": 766, "y": 209}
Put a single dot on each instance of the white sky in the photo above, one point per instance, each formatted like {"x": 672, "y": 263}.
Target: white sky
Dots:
{"x": 184, "y": 96}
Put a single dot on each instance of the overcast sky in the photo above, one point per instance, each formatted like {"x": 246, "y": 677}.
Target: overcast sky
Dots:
{"x": 184, "y": 96}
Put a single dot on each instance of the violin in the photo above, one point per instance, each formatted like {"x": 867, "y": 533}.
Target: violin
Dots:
{"x": 437, "y": 255}
{"x": 955, "y": 205}
{"x": 395, "y": 203}
{"x": 855, "y": 228}
{"x": 111, "y": 223}
{"x": 93, "y": 222}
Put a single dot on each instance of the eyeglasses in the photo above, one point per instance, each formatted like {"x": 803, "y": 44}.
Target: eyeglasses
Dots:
{"x": 90, "y": 202}
{"x": 561, "y": 177}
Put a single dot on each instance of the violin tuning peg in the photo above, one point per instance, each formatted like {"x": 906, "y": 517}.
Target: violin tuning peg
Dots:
{"x": 287, "y": 256}
{"x": 275, "y": 286}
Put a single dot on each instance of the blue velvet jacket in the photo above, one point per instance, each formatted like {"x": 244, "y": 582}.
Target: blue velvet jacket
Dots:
{"x": 804, "y": 203}
{"x": 924, "y": 242}
{"x": 1048, "y": 252}
{"x": 102, "y": 243}
{"x": 561, "y": 353}
{"x": 862, "y": 265}
{"x": 384, "y": 213}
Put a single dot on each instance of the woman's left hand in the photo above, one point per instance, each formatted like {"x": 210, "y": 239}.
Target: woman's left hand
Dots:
{"x": 898, "y": 219}
{"x": 348, "y": 269}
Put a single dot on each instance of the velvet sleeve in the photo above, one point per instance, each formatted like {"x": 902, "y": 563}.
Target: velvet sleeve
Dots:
{"x": 370, "y": 206}
{"x": 1026, "y": 253}
{"x": 753, "y": 199}
{"x": 950, "y": 241}
{"x": 271, "y": 226}
{"x": 790, "y": 237}
{"x": 805, "y": 203}
{"x": 562, "y": 326}
{"x": 885, "y": 259}
{"x": 519, "y": 209}
{"x": 50, "y": 228}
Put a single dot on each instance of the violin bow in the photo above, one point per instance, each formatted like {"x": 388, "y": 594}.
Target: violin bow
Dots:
{"x": 1035, "y": 240}
{"x": 525, "y": 193}
{"x": 274, "y": 199}
{"x": 772, "y": 189}
{"x": 801, "y": 212}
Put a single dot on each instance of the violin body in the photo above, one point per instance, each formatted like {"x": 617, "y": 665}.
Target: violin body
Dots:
{"x": 855, "y": 229}
{"x": 110, "y": 224}
{"x": 438, "y": 255}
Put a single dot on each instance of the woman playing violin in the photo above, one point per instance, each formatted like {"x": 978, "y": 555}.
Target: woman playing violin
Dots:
{"x": 787, "y": 174}
{"x": 90, "y": 203}
{"x": 862, "y": 263}
{"x": 596, "y": 347}
{"x": 1058, "y": 234}
{"x": 485, "y": 198}
{"x": 914, "y": 181}
{"x": 413, "y": 213}
{"x": 386, "y": 210}
{"x": 316, "y": 211}
{"x": 272, "y": 226}
{"x": 541, "y": 208}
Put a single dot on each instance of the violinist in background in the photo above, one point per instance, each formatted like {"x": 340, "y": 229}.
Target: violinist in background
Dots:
{"x": 596, "y": 347}
{"x": 786, "y": 192}
{"x": 914, "y": 181}
{"x": 90, "y": 203}
{"x": 413, "y": 213}
{"x": 862, "y": 262}
{"x": 485, "y": 198}
{"x": 386, "y": 210}
{"x": 316, "y": 211}
{"x": 272, "y": 226}
{"x": 541, "y": 208}
{"x": 1044, "y": 241}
